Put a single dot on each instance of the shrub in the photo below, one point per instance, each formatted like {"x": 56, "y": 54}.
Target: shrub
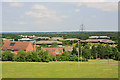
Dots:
{"x": 44, "y": 56}
{"x": 33, "y": 57}
{"x": 52, "y": 58}
{"x": 21, "y": 56}
{"x": 7, "y": 56}
{"x": 54, "y": 44}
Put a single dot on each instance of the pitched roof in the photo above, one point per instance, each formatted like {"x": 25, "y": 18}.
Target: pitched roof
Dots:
{"x": 92, "y": 40}
{"x": 16, "y": 45}
{"x": 107, "y": 41}
{"x": 42, "y": 38}
{"x": 99, "y": 40}
{"x": 25, "y": 39}
{"x": 55, "y": 38}
{"x": 53, "y": 51}
{"x": 68, "y": 48}
{"x": 72, "y": 39}
{"x": 48, "y": 42}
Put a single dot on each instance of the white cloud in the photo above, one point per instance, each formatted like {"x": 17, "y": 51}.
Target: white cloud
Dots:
{"x": 93, "y": 0}
{"x": 22, "y": 23}
{"x": 94, "y": 16}
{"x": 61, "y": 0}
{"x": 21, "y": 16}
{"x": 64, "y": 16}
{"x": 7, "y": 0}
{"x": 44, "y": 14}
{"x": 16, "y": 4}
{"x": 40, "y": 7}
{"x": 39, "y": 14}
{"x": 77, "y": 10}
{"x": 104, "y": 6}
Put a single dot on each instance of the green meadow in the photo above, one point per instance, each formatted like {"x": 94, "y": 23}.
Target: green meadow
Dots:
{"x": 90, "y": 69}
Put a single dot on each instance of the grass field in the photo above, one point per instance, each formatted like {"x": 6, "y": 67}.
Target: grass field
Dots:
{"x": 91, "y": 69}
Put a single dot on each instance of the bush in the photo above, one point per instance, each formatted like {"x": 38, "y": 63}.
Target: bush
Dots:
{"x": 52, "y": 58}
{"x": 41, "y": 56}
{"x": 33, "y": 56}
{"x": 7, "y": 56}
{"x": 54, "y": 44}
{"x": 21, "y": 56}
{"x": 44, "y": 56}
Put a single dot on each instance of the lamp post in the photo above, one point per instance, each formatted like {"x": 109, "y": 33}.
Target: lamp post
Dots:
{"x": 55, "y": 56}
{"x": 81, "y": 54}
{"x": 78, "y": 50}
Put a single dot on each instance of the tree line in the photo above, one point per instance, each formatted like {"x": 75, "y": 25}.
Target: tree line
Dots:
{"x": 98, "y": 51}
{"x": 85, "y": 35}
{"x": 38, "y": 56}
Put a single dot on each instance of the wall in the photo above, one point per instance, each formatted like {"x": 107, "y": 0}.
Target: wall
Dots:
{"x": 30, "y": 47}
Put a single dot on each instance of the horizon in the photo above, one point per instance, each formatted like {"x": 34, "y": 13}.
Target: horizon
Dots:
{"x": 51, "y": 31}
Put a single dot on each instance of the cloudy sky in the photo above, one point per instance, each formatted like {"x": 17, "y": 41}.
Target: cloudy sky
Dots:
{"x": 59, "y": 16}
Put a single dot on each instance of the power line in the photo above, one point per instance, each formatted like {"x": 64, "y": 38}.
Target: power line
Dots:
{"x": 82, "y": 28}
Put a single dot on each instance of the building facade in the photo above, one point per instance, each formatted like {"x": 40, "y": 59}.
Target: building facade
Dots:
{"x": 15, "y": 46}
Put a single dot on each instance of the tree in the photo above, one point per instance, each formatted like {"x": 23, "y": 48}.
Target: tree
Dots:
{"x": 0, "y": 56}
{"x": 44, "y": 56}
{"x": 35, "y": 57}
{"x": 54, "y": 44}
{"x": 118, "y": 41}
{"x": 66, "y": 53}
{"x": 7, "y": 56}
{"x": 115, "y": 53}
{"x": 86, "y": 52}
{"x": 44, "y": 45}
{"x": 94, "y": 52}
{"x": 63, "y": 49}
{"x": 21, "y": 56}
{"x": 29, "y": 56}
{"x": 100, "y": 51}
{"x": 74, "y": 51}
{"x": 52, "y": 57}
{"x": 38, "y": 48}
{"x": 73, "y": 58}
{"x": 118, "y": 56}
{"x": 108, "y": 51}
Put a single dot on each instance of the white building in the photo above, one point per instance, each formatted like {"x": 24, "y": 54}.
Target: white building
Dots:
{"x": 27, "y": 39}
{"x": 96, "y": 37}
{"x": 72, "y": 39}
{"x": 57, "y": 38}
{"x": 42, "y": 38}
{"x": 4, "y": 39}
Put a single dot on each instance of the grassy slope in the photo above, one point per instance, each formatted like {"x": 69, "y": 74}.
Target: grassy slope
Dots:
{"x": 93, "y": 69}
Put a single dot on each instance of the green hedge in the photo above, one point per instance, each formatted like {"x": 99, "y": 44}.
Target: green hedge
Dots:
{"x": 39, "y": 56}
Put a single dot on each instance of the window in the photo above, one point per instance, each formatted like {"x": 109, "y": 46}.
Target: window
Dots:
{"x": 12, "y": 44}
{"x": 13, "y": 51}
{"x": 57, "y": 52}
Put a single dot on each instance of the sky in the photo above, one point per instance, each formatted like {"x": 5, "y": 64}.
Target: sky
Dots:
{"x": 59, "y": 16}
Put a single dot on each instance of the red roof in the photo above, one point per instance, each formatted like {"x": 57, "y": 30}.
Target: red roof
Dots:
{"x": 16, "y": 45}
{"x": 99, "y": 40}
{"x": 53, "y": 51}
{"x": 48, "y": 42}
